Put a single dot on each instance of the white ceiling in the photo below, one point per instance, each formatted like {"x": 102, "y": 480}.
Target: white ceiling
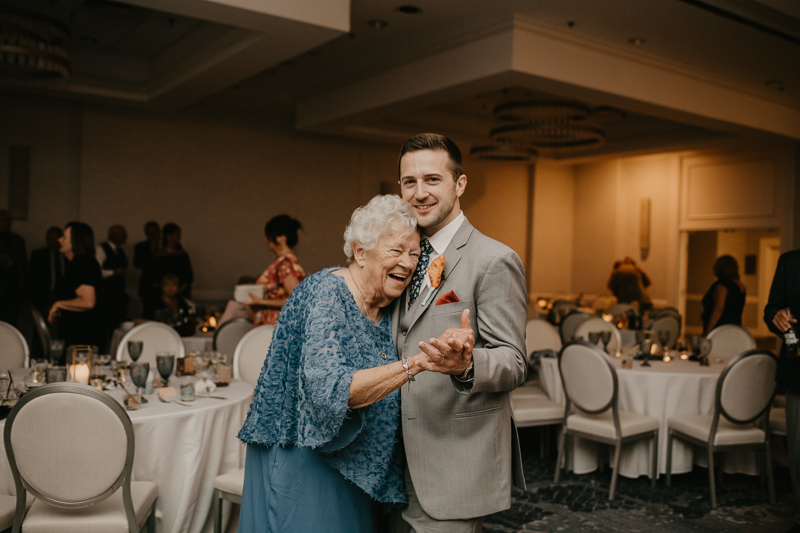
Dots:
{"x": 418, "y": 73}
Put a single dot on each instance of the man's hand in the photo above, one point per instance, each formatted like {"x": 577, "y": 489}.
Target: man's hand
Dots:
{"x": 451, "y": 353}
{"x": 783, "y": 321}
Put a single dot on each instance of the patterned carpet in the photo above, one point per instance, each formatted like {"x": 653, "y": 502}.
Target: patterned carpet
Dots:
{"x": 580, "y": 502}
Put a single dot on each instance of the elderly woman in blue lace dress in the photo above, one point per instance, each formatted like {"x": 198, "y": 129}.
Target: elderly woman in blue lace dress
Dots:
{"x": 322, "y": 432}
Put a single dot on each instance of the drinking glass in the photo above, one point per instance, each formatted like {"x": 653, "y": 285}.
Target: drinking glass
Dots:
{"x": 646, "y": 352}
{"x": 38, "y": 366}
{"x": 5, "y": 385}
{"x": 165, "y": 363}
{"x": 135, "y": 350}
{"x": 139, "y": 373}
{"x": 663, "y": 339}
{"x": 605, "y": 336}
{"x": 594, "y": 337}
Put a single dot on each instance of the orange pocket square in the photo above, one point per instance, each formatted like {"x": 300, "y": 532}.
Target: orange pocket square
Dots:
{"x": 447, "y": 298}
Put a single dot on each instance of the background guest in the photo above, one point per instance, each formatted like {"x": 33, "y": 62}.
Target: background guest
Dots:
{"x": 45, "y": 270}
{"x": 114, "y": 265}
{"x": 283, "y": 275}
{"x": 724, "y": 301}
{"x": 173, "y": 259}
{"x": 12, "y": 270}
{"x": 628, "y": 283}
{"x": 144, "y": 255}
{"x": 170, "y": 299}
{"x": 76, "y": 310}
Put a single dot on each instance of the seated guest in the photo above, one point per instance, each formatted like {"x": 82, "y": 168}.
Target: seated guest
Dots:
{"x": 170, "y": 301}
{"x": 173, "y": 259}
{"x": 144, "y": 255}
{"x": 114, "y": 265}
{"x": 322, "y": 433}
{"x": 76, "y": 310}
{"x": 45, "y": 270}
{"x": 724, "y": 301}
{"x": 628, "y": 283}
{"x": 283, "y": 275}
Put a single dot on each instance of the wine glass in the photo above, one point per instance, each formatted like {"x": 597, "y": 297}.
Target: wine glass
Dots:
{"x": 135, "y": 350}
{"x": 705, "y": 349}
{"x": 663, "y": 339}
{"x": 38, "y": 366}
{"x": 646, "y": 351}
{"x": 139, "y": 373}
{"x": 165, "y": 363}
{"x": 594, "y": 337}
{"x": 605, "y": 336}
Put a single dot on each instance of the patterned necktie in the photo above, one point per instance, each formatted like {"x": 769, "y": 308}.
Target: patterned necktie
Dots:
{"x": 422, "y": 269}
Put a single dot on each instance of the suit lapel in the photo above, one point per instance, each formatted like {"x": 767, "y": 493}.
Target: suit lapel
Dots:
{"x": 451, "y": 259}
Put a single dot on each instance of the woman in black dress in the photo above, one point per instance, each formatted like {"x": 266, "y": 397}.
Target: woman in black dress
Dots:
{"x": 173, "y": 259}
{"x": 76, "y": 311}
{"x": 724, "y": 301}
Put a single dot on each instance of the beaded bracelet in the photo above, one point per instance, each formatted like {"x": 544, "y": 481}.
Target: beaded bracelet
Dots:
{"x": 410, "y": 376}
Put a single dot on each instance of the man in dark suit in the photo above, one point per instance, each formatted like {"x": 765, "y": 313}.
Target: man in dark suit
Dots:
{"x": 144, "y": 259}
{"x": 12, "y": 270}
{"x": 45, "y": 269}
{"x": 779, "y": 315}
{"x": 114, "y": 265}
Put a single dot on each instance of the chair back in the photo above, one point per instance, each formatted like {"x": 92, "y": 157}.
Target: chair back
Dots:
{"x": 42, "y": 331}
{"x": 229, "y": 334}
{"x": 666, "y": 311}
{"x": 569, "y": 323}
{"x": 561, "y": 308}
{"x": 156, "y": 337}
{"x": 596, "y": 324}
{"x": 250, "y": 354}
{"x": 14, "y": 352}
{"x": 71, "y": 446}
{"x": 667, "y": 323}
{"x": 618, "y": 310}
{"x": 746, "y": 386}
{"x": 589, "y": 380}
{"x": 730, "y": 340}
{"x": 541, "y": 335}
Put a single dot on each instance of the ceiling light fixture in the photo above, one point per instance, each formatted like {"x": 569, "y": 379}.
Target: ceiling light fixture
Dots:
{"x": 556, "y": 136}
{"x": 503, "y": 152}
{"x": 377, "y": 24}
{"x": 32, "y": 46}
{"x": 409, "y": 10}
{"x": 637, "y": 41}
{"x": 537, "y": 111}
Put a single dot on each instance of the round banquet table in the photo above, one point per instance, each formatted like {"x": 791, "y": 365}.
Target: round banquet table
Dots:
{"x": 663, "y": 390}
{"x": 182, "y": 449}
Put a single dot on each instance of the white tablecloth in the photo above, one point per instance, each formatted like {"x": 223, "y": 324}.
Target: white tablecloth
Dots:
{"x": 182, "y": 449}
{"x": 663, "y": 390}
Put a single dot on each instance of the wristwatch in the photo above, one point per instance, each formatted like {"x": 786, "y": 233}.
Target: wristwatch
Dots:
{"x": 468, "y": 374}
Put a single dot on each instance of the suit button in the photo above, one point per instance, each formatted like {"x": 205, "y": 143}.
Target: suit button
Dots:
{"x": 403, "y": 331}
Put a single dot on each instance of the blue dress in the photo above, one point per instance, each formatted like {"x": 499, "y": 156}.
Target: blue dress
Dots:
{"x": 312, "y": 463}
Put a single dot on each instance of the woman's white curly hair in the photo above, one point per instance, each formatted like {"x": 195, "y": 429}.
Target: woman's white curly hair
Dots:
{"x": 381, "y": 215}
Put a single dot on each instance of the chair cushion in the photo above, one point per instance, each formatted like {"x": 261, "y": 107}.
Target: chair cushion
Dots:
{"x": 728, "y": 433}
{"x": 602, "y": 425}
{"x": 535, "y": 411}
{"x": 777, "y": 420}
{"x": 528, "y": 391}
{"x": 232, "y": 482}
{"x": 107, "y": 516}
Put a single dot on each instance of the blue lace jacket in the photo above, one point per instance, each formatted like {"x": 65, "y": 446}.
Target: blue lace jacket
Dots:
{"x": 320, "y": 341}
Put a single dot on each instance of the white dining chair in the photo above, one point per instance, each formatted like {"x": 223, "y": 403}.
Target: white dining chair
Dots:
{"x": 619, "y": 310}
{"x": 741, "y": 414}
{"x": 15, "y": 352}
{"x": 86, "y": 485}
{"x": 591, "y": 388}
{"x": 561, "y": 308}
{"x": 596, "y": 324}
{"x": 156, "y": 337}
{"x": 537, "y": 412}
{"x": 729, "y": 340}
{"x": 667, "y": 323}
{"x": 568, "y": 325}
{"x": 250, "y": 354}
{"x": 228, "y": 335}
{"x": 248, "y": 359}
{"x": 539, "y": 335}
{"x": 666, "y": 311}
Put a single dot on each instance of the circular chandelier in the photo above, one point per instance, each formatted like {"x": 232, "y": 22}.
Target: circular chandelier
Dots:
{"x": 550, "y": 135}
{"x": 541, "y": 111}
{"x": 32, "y": 46}
{"x": 503, "y": 152}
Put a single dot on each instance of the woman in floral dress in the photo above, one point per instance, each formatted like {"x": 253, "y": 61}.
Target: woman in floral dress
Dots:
{"x": 283, "y": 275}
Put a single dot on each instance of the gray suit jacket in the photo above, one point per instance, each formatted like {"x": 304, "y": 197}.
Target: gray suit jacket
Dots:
{"x": 460, "y": 440}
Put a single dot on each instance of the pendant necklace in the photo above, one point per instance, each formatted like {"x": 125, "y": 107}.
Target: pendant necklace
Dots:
{"x": 364, "y": 305}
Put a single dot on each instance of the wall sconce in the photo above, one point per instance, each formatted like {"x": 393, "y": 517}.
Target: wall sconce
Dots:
{"x": 644, "y": 227}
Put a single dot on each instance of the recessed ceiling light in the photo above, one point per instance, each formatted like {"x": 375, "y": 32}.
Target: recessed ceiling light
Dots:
{"x": 409, "y": 10}
{"x": 377, "y": 24}
{"x": 637, "y": 41}
{"x": 775, "y": 84}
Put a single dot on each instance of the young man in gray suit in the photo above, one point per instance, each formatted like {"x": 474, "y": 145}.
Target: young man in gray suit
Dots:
{"x": 461, "y": 445}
